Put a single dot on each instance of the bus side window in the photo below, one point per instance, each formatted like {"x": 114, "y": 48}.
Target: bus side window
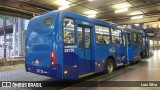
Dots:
{"x": 116, "y": 36}
{"x": 124, "y": 39}
{"x": 135, "y": 37}
{"x": 141, "y": 39}
{"x": 68, "y": 31}
{"x": 102, "y": 35}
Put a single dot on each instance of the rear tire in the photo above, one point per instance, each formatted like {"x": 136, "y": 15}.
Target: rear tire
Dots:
{"x": 140, "y": 58}
{"x": 109, "y": 66}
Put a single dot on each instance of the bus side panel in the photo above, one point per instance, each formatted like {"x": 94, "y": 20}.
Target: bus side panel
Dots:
{"x": 70, "y": 65}
{"x": 130, "y": 54}
{"x": 140, "y": 50}
{"x": 133, "y": 53}
{"x": 120, "y": 55}
{"x": 101, "y": 55}
{"x": 136, "y": 51}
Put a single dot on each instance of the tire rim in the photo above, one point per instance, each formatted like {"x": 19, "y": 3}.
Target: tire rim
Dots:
{"x": 110, "y": 67}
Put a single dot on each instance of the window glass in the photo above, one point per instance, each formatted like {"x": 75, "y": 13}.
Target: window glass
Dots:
{"x": 102, "y": 35}
{"x": 48, "y": 20}
{"x": 124, "y": 39}
{"x": 143, "y": 41}
{"x": 87, "y": 38}
{"x": 80, "y": 37}
{"x": 69, "y": 31}
{"x": 133, "y": 37}
{"x": 136, "y": 38}
{"x": 139, "y": 39}
{"x": 116, "y": 36}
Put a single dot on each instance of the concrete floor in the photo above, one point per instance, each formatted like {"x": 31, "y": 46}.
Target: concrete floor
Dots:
{"x": 147, "y": 70}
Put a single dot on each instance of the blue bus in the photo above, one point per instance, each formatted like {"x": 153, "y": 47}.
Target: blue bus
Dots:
{"x": 136, "y": 45}
{"x": 66, "y": 45}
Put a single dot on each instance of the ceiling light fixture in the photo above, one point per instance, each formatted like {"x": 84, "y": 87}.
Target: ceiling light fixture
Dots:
{"x": 121, "y": 10}
{"x": 92, "y": 16}
{"x": 136, "y": 24}
{"x": 121, "y": 5}
{"x": 137, "y": 17}
{"x": 90, "y": 12}
{"x": 62, "y": 2}
{"x": 63, "y": 7}
{"x": 135, "y": 13}
{"x": 90, "y": 0}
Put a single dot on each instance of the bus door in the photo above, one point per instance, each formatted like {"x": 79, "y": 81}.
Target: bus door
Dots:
{"x": 117, "y": 41}
{"x": 135, "y": 46}
{"x": 84, "y": 49}
{"x": 126, "y": 45}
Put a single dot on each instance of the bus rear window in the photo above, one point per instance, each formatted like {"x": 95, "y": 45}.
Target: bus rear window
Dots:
{"x": 40, "y": 26}
{"x": 48, "y": 20}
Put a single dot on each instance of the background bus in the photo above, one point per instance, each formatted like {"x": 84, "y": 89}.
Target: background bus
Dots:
{"x": 136, "y": 45}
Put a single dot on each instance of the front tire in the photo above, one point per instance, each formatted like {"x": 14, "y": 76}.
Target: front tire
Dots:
{"x": 109, "y": 67}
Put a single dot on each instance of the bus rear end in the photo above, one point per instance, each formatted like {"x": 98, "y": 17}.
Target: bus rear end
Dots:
{"x": 40, "y": 56}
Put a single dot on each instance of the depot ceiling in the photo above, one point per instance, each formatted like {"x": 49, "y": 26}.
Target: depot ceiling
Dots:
{"x": 102, "y": 9}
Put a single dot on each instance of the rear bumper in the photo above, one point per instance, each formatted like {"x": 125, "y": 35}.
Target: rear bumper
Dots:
{"x": 45, "y": 71}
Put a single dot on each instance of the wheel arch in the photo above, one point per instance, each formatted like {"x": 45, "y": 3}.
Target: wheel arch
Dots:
{"x": 141, "y": 54}
{"x": 112, "y": 57}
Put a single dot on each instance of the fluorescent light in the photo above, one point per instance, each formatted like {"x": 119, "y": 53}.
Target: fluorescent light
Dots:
{"x": 136, "y": 24}
{"x": 90, "y": 12}
{"x": 137, "y": 17}
{"x": 135, "y": 13}
{"x": 92, "y": 16}
{"x": 63, "y": 7}
{"x": 90, "y": 0}
{"x": 122, "y": 5}
{"x": 62, "y": 2}
{"x": 121, "y": 10}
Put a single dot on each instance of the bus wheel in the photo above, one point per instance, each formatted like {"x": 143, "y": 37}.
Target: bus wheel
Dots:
{"x": 109, "y": 67}
{"x": 140, "y": 57}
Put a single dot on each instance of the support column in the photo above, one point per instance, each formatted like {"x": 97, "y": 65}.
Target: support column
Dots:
{"x": 14, "y": 37}
{"x": 20, "y": 37}
{"x": 157, "y": 45}
{"x": 4, "y": 32}
{"x": 153, "y": 43}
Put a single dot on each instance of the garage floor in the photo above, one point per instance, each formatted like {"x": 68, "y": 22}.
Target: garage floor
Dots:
{"x": 147, "y": 70}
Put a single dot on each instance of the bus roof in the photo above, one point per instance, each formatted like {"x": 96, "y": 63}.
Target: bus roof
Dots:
{"x": 116, "y": 26}
{"x": 80, "y": 17}
{"x": 92, "y": 20}
{"x": 134, "y": 30}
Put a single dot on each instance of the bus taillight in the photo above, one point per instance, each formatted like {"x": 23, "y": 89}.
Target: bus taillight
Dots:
{"x": 53, "y": 59}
